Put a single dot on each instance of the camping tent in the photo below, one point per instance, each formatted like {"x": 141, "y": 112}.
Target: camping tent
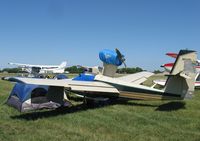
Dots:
{"x": 25, "y": 97}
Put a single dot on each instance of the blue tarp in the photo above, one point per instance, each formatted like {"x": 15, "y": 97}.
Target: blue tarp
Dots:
{"x": 23, "y": 91}
{"x": 61, "y": 76}
{"x": 84, "y": 77}
{"x": 109, "y": 57}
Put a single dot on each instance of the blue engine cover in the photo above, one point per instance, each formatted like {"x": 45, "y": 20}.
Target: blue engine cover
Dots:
{"x": 109, "y": 57}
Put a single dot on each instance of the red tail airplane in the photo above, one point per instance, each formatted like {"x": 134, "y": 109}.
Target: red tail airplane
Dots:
{"x": 168, "y": 66}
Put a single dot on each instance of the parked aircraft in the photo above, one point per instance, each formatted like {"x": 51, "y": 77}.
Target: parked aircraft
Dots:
{"x": 179, "y": 85}
{"x": 42, "y": 69}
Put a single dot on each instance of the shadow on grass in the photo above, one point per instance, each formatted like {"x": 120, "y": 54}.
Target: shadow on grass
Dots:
{"x": 50, "y": 113}
{"x": 75, "y": 98}
{"x": 135, "y": 103}
{"x": 171, "y": 106}
{"x": 167, "y": 107}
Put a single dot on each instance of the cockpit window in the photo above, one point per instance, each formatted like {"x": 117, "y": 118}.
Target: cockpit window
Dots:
{"x": 198, "y": 78}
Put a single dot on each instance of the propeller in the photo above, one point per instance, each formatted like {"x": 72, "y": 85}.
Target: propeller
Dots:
{"x": 121, "y": 57}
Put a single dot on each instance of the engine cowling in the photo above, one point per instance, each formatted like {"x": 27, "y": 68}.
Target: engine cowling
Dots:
{"x": 109, "y": 57}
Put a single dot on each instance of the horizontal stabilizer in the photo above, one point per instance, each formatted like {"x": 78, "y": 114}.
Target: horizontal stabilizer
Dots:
{"x": 184, "y": 75}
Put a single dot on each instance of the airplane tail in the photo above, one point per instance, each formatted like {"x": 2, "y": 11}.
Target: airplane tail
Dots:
{"x": 181, "y": 81}
{"x": 63, "y": 65}
{"x": 173, "y": 55}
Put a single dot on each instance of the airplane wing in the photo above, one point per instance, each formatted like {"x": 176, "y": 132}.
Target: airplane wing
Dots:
{"x": 22, "y": 65}
{"x": 137, "y": 78}
{"x": 72, "y": 85}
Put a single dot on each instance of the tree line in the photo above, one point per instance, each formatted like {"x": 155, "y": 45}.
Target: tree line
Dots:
{"x": 129, "y": 70}
{"x": 75, "y": 69}
{"x": 11, "y": 70}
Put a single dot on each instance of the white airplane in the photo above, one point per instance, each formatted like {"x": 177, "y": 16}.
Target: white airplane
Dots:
{"x": 179, "y": 85}
{"x": 42, "y": 69}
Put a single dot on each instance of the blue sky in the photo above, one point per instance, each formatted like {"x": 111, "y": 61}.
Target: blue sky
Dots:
{"x": 50, "y": 31}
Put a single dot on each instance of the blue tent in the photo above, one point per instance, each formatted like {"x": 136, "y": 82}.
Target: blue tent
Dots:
{"x": 25, "y": 97}
{"x": 23, "y": 91}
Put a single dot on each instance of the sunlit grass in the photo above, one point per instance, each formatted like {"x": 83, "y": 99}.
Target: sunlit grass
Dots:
{"x": 119, "y": 121}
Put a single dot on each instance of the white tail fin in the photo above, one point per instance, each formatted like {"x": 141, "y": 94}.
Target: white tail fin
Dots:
{"x": 181, "y": 81}
{"x": 63, "y": 65}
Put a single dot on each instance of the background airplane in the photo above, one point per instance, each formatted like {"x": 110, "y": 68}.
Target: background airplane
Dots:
{"x": 42, "y": 69}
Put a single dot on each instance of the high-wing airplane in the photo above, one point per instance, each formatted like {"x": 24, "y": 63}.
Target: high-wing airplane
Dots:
{"x": 41, "y": 69}
{"x": 180, "y": 82}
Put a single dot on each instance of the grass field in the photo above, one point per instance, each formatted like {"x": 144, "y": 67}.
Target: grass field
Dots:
{"x": 120, "y": 121}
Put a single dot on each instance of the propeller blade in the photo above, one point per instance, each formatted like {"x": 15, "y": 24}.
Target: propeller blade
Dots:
{"x": 119, "y": 53}
{"x": 121, "y": 57}
{"x": 125, "y": 65}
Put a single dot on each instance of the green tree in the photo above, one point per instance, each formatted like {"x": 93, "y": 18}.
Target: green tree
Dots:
{"x": 74, "y": 69}
{"x": 129, "y": 70}
{"x": 12, "y": 70}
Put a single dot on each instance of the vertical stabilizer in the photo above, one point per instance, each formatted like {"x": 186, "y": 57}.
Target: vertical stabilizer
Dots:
{"x": 181, "y": 81}
{"x": 63, "y": 65}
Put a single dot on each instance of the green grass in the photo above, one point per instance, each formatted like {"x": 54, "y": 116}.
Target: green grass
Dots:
{"x": 120, "y": 121}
